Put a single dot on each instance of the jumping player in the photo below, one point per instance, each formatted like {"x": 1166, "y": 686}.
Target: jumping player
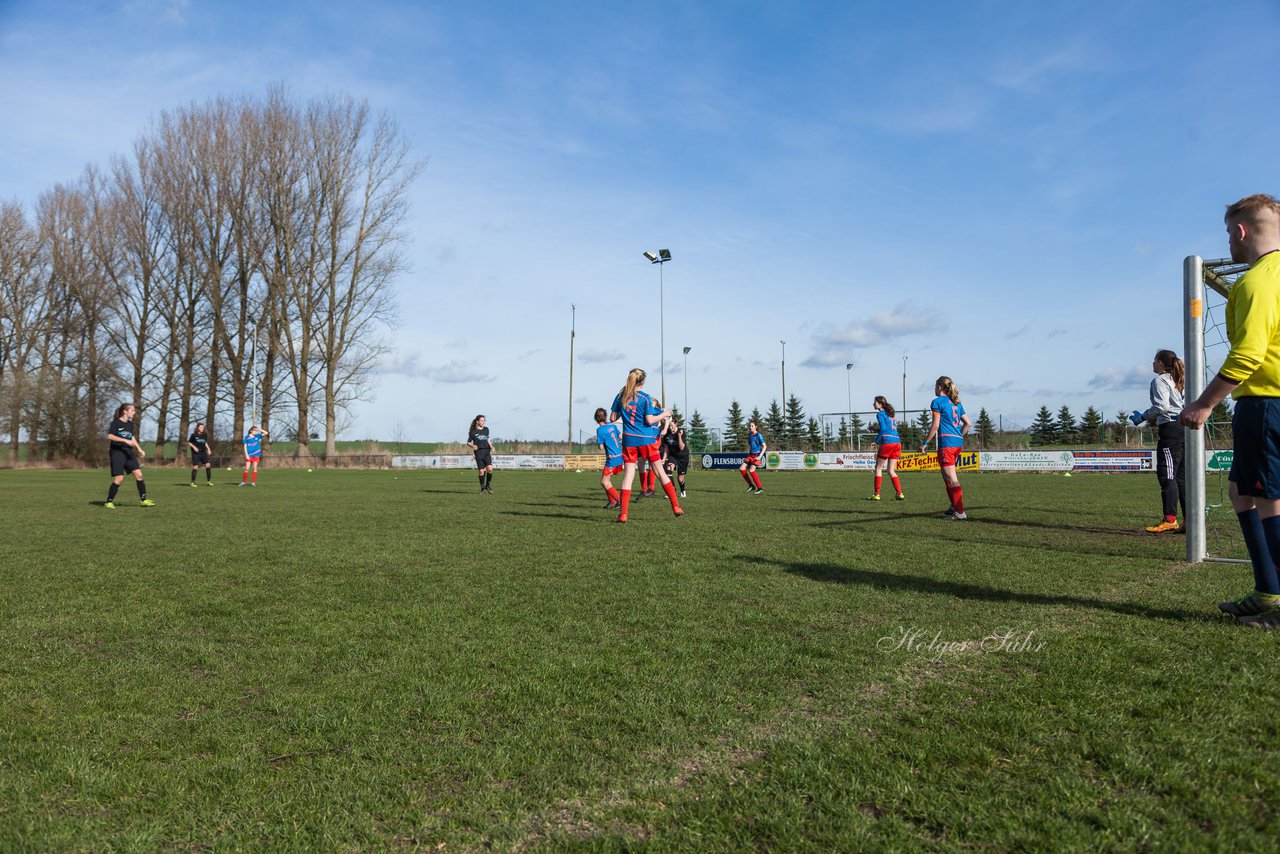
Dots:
{"x": 756, "y": 446}
{"x": 199, "y": 445}
{"x": 640, "y": 415}
{"x": 949, "y": 424}
{"x": 478, "y": 441}
{"x": 890, "y": 446}
{"x": 252, "y": 454}
{"x": 120, "y": 436}
{"x": 609, "y": 438}
{"x": 675, "y": 450}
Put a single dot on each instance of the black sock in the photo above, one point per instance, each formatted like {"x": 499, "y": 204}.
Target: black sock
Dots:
{"x": 111, "y": 493}
{"x": 142, "y": 490}
{"x": 482, "y": 480}
{"x": 193, "y": 475}
{"x": 488, "y": 479}
{"x": 208, "y": 475}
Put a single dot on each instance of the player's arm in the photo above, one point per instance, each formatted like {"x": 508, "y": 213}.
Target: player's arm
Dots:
{"x": 193, "y": 448}
{"x": 1197, "y": 412}
{"x": 933, "y": 431}
{"x": 965, "y": 425}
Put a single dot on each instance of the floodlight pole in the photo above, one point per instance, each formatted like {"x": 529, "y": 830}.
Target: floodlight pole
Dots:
{"x": 784, "y": 378}
{"x": 686, "y": 383}
{"x": 573, "y": 325}
{"x": 904, "y": 386}
{"x": 848, "y": 387}
{"x": 662, "y": 257}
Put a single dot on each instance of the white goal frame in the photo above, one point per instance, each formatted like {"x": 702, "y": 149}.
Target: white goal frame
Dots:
{"x": 1197, "y": 274}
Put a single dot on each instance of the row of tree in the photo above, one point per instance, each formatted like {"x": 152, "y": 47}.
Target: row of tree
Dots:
{"x": 1063, "y": 429}
{"x": 244, "y": 244}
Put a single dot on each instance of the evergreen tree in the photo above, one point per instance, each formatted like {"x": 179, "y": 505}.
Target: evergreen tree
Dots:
{"x": 813, "y": 435}
{"x": 735, "y": 429}
{"x": 856, "y": 428}
{"x": 984, "y": 429}
{"x": 775, "y": 426}
{"x": 1044, "y": 430}
{"x": 1066, "y": 425}
{"x": 796, "y": 433}
{"x": 923, "y": 422}
{"x": 844, "y": 437}
{"x": 697, "y": 434}
{"x": 907, "y": 433}
{"x": 675, "y": 412}
{"x": 1120, "y": 427}
{"x": 1218, "y": 427}
{"x": 828, "y": 434}
{"x": 1091, "y": 427}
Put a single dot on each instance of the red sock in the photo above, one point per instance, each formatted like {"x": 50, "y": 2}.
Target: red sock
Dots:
{"x": 746, "y": 475}
{"x": 756, "y": 478}
{"x": 255, "y": 475}
{"x": 670, "y": 489}
{"x": 626, "y": 500}
{"x": 878, "y": 480}
{"x": 897, "y": 487}
{"x": 613, "y": 495}
{"x": 957, "y": 497}
{"x": 1170, "y": 518}
{"x": 244, "y": 478}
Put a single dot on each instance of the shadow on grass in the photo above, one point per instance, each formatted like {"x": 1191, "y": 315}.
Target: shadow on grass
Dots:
{"x": 576, "y": 517}
{"x": 475, "y": 490}
{"x": 832, "y": 574}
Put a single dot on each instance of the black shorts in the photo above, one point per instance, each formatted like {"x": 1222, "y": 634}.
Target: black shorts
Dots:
{"x": 123, "y": 462}
{"x": 679, "y": 463}
{"x": 484, "y": 458}
{"x": 1255, "y": 464}
{"x": 200, "y": 459}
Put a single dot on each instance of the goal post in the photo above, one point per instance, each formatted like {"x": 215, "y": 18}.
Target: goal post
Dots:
{"x": 1211, "y": 530}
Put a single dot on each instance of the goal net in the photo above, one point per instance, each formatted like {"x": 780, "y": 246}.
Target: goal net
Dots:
{"x": 1213, "y": 532}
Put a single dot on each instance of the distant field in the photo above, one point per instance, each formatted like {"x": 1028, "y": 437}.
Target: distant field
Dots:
{"x": 347, "y": 660}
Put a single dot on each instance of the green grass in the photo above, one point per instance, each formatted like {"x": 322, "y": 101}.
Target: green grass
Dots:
{"x": 374, "y": 660}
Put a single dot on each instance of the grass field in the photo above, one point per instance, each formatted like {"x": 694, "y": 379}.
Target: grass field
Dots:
{"x": 377, "y": 660}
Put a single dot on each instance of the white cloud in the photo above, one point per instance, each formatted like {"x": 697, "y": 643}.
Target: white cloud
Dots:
{"x": 832, "y": 346}
{"x": 592, "y": 357}
{"x": 451, "y": 372}
{"x": 1121, "y": 379}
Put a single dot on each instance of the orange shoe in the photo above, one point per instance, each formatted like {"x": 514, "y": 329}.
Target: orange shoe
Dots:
{"x": 1163, "y": 528}
{"x": 622, "y": 520}
{"x": 679, "y": 511}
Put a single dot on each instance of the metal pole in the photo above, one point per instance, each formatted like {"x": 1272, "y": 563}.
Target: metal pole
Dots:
{"x": 848, "y": 388}
{"x": 662, "y": 333}
{"x": 904, "y": 386}
{"x": 784, "y": 379}
{"x": 1193, "y": 350}
{"x": 686, "y": 383}
{"x": 573, "y": 327}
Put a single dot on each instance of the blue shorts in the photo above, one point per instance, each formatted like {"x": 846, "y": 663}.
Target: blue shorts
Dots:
{"x": 1255, "y": 466}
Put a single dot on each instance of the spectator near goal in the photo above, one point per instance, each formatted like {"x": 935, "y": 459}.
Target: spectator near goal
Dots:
{"x": 1251, "y": 375}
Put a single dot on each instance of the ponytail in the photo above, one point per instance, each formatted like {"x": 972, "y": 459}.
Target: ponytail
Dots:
{"x": 635, "y": 379}
{"x": 949, "y": 389}
{"x": 885, "y": 405}
{"x": 474, "y": 422}
{"x": 1172, "y": 366}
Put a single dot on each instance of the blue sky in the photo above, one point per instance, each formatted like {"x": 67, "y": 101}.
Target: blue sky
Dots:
{"x": 1002, "y": 192}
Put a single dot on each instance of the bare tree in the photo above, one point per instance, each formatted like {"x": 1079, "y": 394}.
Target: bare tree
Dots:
{"x": 24, "y": 304}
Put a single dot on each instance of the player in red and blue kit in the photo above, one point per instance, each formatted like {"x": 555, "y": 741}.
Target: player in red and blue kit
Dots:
{"x": 949, "y": 424}
{"x": 640, "y": 415}
{"x": 609, "y": 438}
{"x": 890, "y": 446}
{"x": 252, "y": 454}
{"x": 756, "y": 446}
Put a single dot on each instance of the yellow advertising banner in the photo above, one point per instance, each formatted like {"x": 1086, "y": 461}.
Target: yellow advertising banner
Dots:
{"x": 967, "y": 461}
{"x": 584, "y": 462}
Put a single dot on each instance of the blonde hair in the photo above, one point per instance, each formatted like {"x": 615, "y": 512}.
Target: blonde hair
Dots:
{"x": 885, "y": 405}
{"x": 635, "y": 379}
{"x": 948, "y": 388}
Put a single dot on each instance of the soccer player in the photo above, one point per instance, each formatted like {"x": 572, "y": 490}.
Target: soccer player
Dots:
{"x": 756, "y": 446}
{"x": 640, "y": 415}
{"x": 1166, "y": 405}
{"x": 949, "y": 424}
{"x": 120, "y": 436}
{"x": 252, "y": 454}
{"x": 1250, "y": 373}
{"x": 609, "y": 438}
{"x": 198, "y": 442}
{"x": 675, "y": 450}
{"x": 889, "y": 448}
{"x": 478, "y": 441}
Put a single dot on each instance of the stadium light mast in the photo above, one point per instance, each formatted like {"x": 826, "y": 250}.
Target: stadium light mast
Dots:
{"x": 848, "y": 387}
{"x": 784, "y": 376}
{"x": 573, "y": 325}
{"x": 904, "y": 386}
{"x": 662, "y": 257}
{"x": 686, "y": 383}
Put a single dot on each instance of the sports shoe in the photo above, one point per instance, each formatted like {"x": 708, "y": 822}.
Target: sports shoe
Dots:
{"x": 255, "y": 483}
{"x": 242, "y": 483}
{"x": 193, "y": 485}
{"x": 1269, "y": 619}
{"x": 682, "y": 495}
{"x": 146, "y": 502}
{"x": 751, "y": 489}
{"x": 1250, "y": 606}
{"x": 901, "y": 497}
{"x": 951, "y": 511}
{"x": 208, "y": 483}
{"x": 875, "y": 497}
{"x": 679, "y": 511}
{"x": 959, "y": 517}
{"x": 622, "y": 519}
{"x": 648, "y": 493}
{"x": 1162, "y": 528}
{"x": 760, "y": 491}
{"x": 110, "y": 505}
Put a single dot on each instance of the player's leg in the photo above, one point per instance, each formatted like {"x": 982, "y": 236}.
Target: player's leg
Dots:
{"x": 629, "y": 458}
{"x": 244, "y": 478}
{"x": 135, "y": 468}
{"x": 755, "y": 479}
{"x": 195, "y": 467}
{"x": 117, "y": 477}
{"x": 208, "y": 473}
{"x": 875, "y": 495}
{"x": 660, "y": 472}
{"x": 751, "y": 487}
{"x": 893, "y": 478}
{"x": 1165, "y": 477}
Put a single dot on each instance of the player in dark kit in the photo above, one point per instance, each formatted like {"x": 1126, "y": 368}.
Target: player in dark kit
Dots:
{"x": 675, "y": 451}
{"x": 199, "y": 445}
{"x": 478, "y": 441}
{"x": 125, "y": 453}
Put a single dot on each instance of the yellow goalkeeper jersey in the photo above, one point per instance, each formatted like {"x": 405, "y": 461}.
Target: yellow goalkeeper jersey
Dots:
{"x": 1253, "y": 328}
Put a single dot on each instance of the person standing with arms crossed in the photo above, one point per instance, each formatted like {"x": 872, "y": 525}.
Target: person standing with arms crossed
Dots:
{"x": 198, "y": 442}
{"x": 1251, "y": 375}
{"x": 478, "y": 442}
